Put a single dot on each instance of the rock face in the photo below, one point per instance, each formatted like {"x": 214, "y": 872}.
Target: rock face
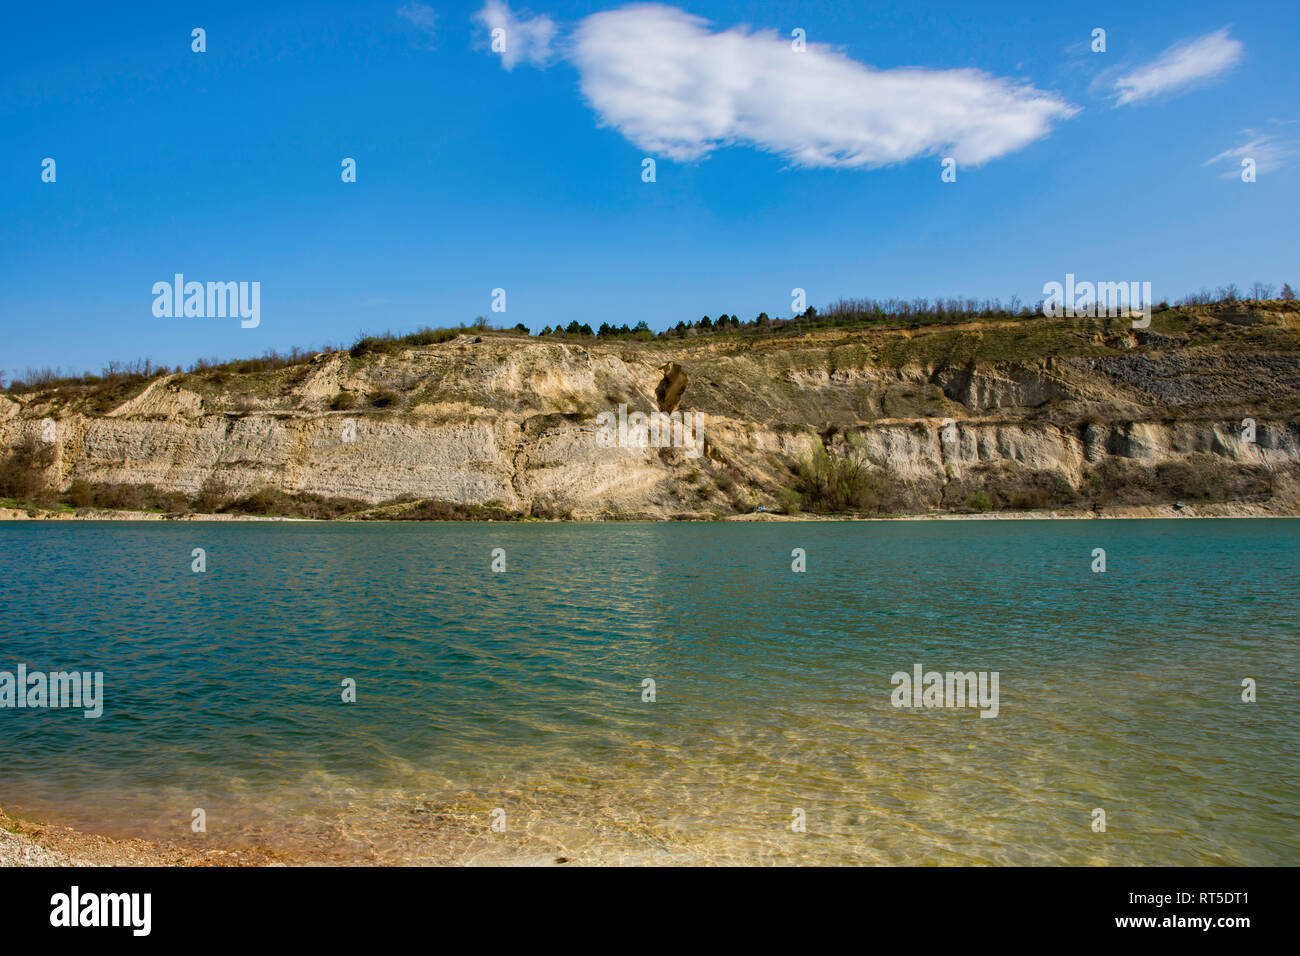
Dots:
{"x": 510, "y": 421}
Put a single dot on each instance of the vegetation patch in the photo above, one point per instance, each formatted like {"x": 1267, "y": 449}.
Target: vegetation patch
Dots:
{"x": 22, "y": 472}
{"x": 384, "y": 398}
{"x": 436, "y": 509}
{"x": 273, "y": 502}
{"x": 1202, "y": 477}
{"x": 839, "y": 479}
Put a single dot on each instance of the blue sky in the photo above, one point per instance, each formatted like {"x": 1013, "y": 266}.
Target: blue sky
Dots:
{"x": 774, "y": 169}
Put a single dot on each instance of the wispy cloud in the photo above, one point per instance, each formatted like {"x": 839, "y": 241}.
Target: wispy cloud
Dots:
{"x": 1269, "y": 151}
{"x": 422, "y": 17}
{"x": 526, "y": 38}
{"x": 673, "y": 86}
{"x": 1180, "y": 67}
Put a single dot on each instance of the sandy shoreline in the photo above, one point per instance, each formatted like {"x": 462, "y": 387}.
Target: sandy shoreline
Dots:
{"x": 24, "y": 843}
{"x": 104, "y": 514}
{"x": 1228, "y": 509}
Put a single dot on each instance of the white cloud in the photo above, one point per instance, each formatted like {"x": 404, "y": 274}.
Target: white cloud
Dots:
{"x": 1269, "y": 152}
{"x": 674, "y": 87}
{"x": 527, "y": 38}
{"x": 421, "y": 17}
{"x": 1179, "y": 67}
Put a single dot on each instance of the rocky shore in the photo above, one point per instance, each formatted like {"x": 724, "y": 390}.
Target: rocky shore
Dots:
{"x": 23, "y": 843}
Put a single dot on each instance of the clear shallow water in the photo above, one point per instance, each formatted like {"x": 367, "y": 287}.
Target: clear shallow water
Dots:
{"x": 522, "y": 690}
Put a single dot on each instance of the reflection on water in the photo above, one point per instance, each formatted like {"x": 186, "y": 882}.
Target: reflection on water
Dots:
{"x": 523, "y": 691}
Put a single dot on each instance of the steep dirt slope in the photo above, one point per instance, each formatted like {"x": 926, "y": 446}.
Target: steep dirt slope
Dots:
{"x": 1031, "y": 413}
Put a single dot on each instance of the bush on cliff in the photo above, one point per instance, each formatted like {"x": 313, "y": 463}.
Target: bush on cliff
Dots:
{"x": 384, "y": 398}
{"x": 272, "y": 501}
{"x": 22, "y": 471}
{"x": 116, "y": 496}
{"x": 834, "y": 480}
{"x": 1201, "y": 477}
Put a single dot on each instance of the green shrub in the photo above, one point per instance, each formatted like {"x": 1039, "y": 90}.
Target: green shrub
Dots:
{"x": 789, "y": 501}
{"x": 1032, "y": 499}
{"x": 830, "y": 480}
{"x": 273, "y": 501}
{"x": 1202, "y": 477}
{"x": 212, "y": 496}
{"x": 22, "y": 472}
{"x": 435, "y": 509}
{"x": 119, "y": 496}
{"x": 80, "y": 494}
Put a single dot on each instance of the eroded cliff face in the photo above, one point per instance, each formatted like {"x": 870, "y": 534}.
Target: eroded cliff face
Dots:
{"x": 1068, "y": 417}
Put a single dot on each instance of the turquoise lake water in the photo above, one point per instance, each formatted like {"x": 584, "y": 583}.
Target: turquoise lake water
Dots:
{"x": 522, "y": 691}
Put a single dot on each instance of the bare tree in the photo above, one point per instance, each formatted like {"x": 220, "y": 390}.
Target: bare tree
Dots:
{"x": 1287, "y": 294}
{"x": 41, "y": 377}
{"x": 1261, "y": 291}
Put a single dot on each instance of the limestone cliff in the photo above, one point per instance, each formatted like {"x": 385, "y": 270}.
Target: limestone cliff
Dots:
{"x": 1032, "y": 413}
